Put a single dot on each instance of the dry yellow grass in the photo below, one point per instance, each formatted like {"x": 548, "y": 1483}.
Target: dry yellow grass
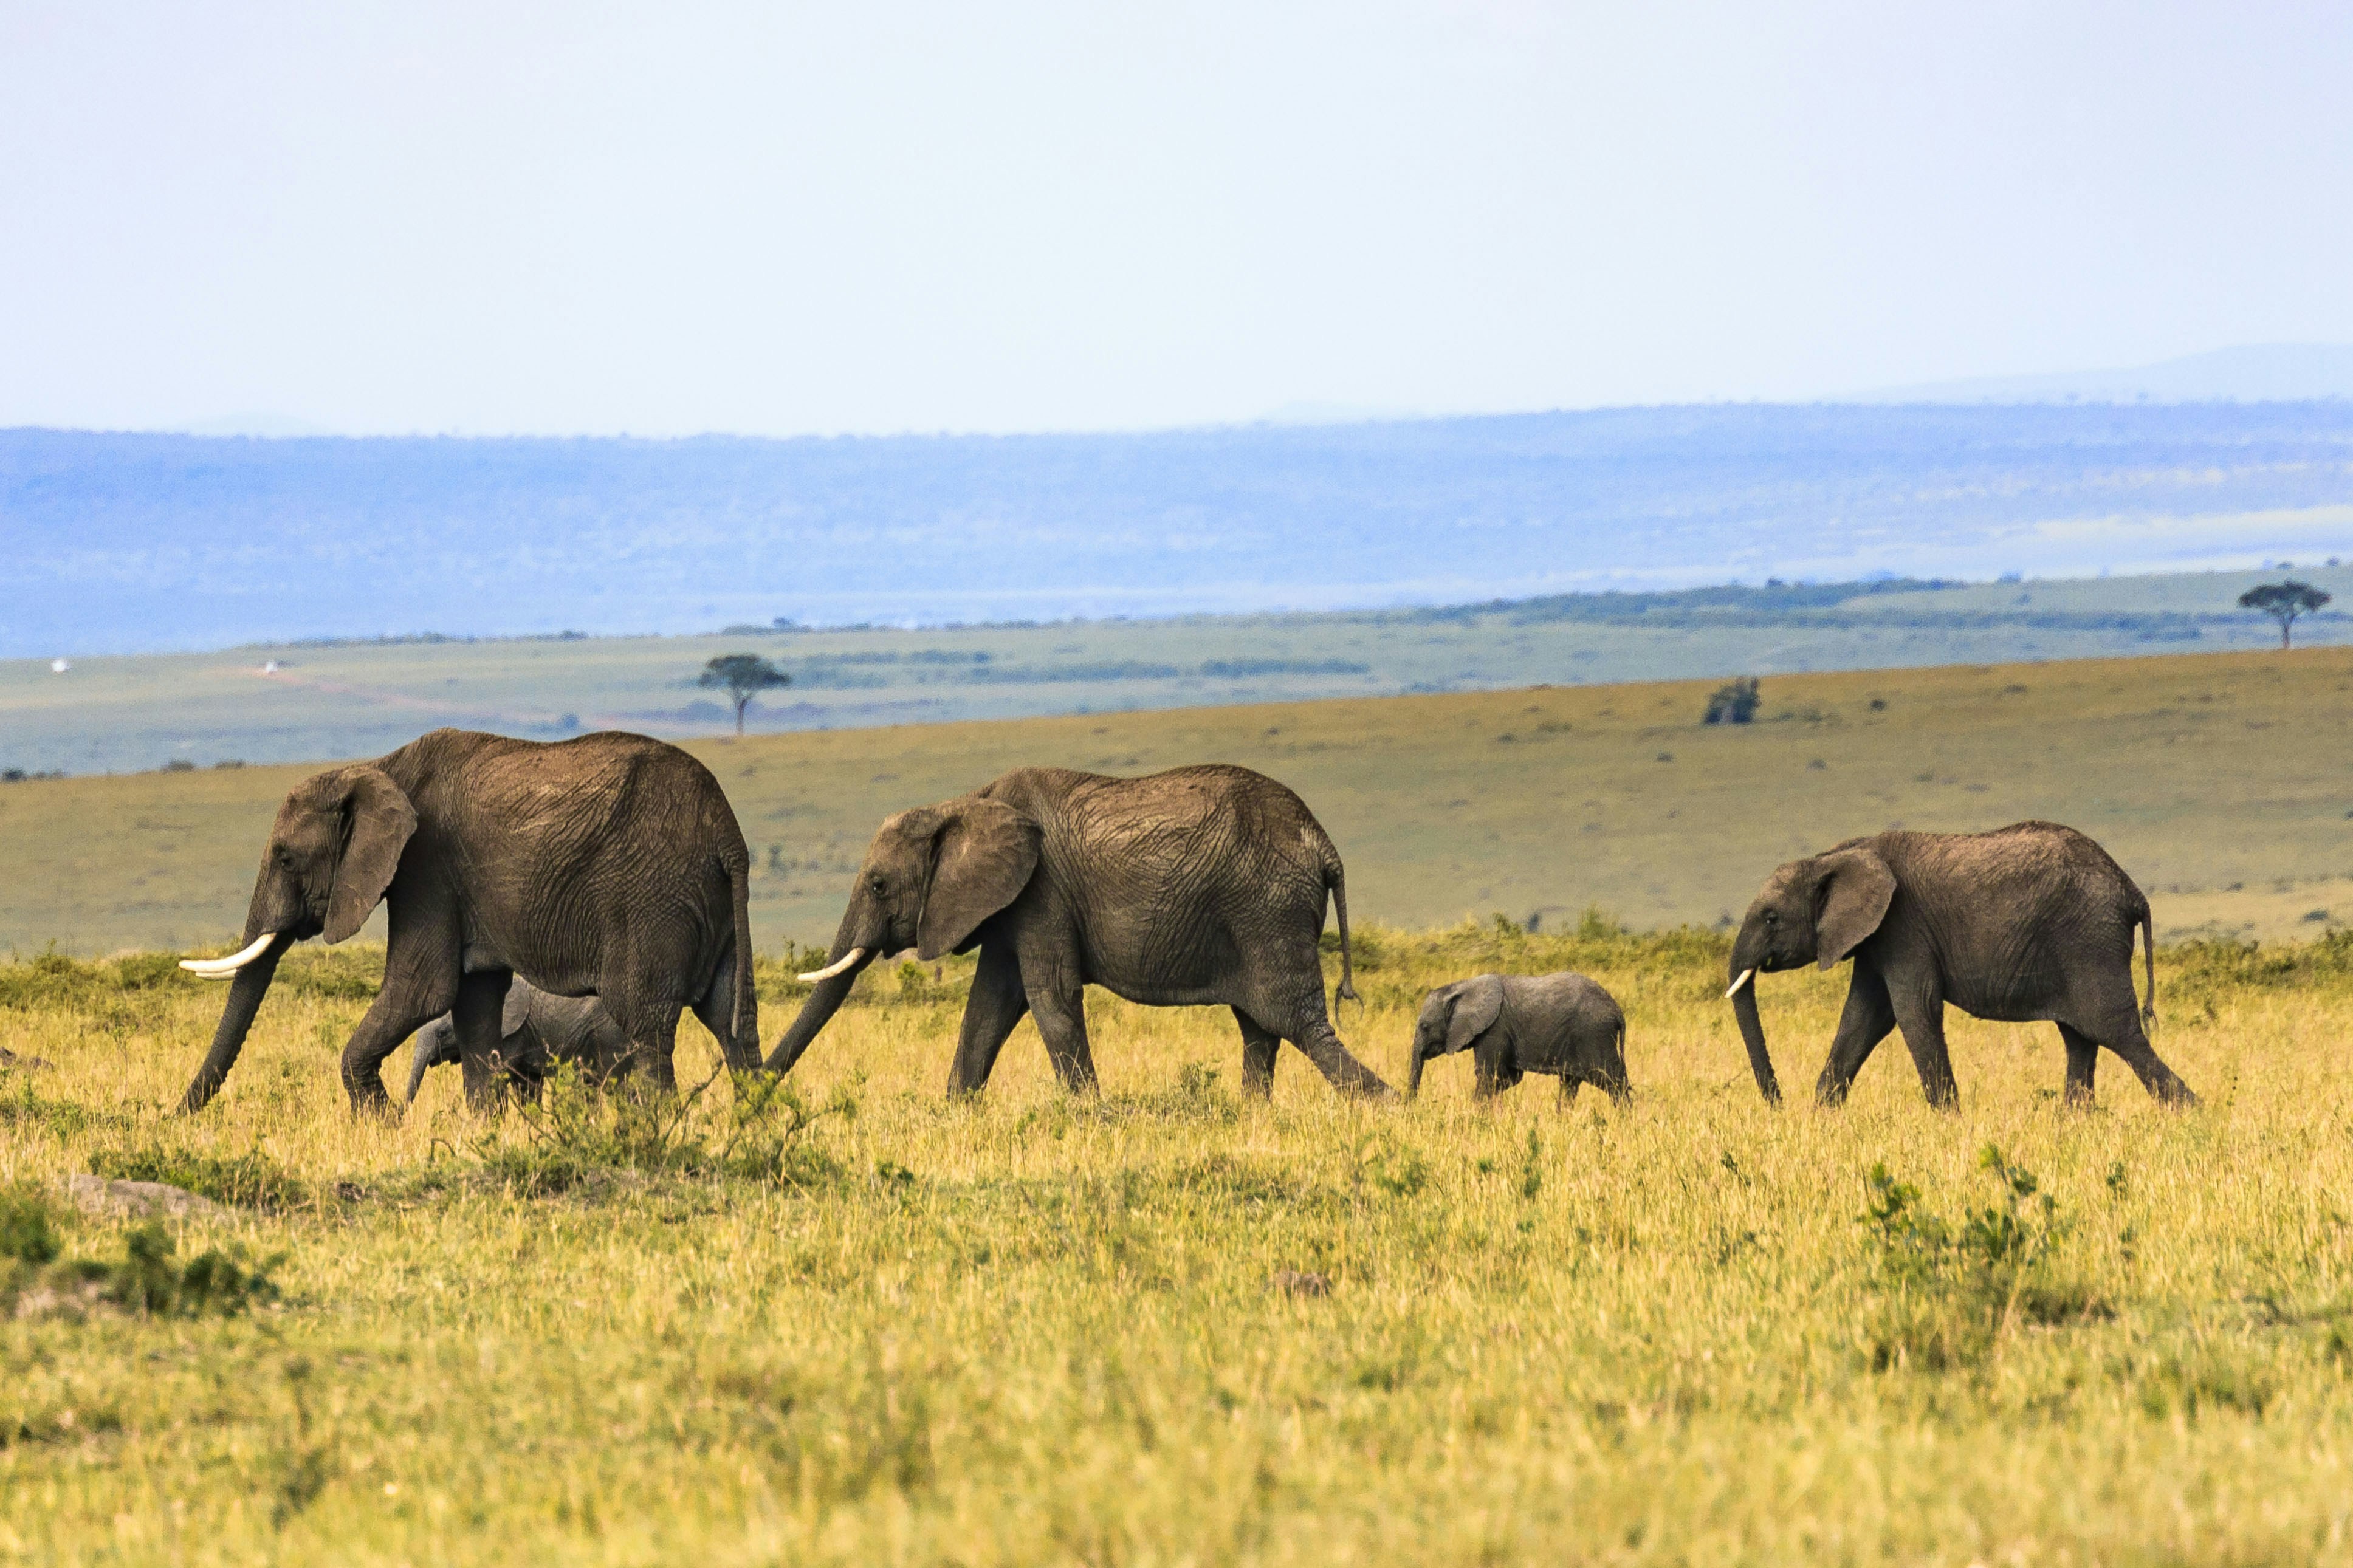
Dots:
{"x": 1034, "y": 1330}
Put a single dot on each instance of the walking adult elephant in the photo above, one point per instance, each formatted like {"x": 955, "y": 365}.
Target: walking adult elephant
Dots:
{"x": 1196, "y": 887}
{"x": 2029, "y": 921}
{"x": 610, "y": 864}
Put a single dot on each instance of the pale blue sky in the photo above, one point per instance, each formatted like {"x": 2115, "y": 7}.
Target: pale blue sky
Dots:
{"x": 774, "y": 219}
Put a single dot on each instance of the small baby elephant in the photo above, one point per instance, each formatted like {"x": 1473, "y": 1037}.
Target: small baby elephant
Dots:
{"x": 1515, "y": 1024}
{"x": 536, "y": 1030}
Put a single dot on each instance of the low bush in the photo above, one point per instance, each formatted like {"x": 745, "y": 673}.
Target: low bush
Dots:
{"x": 578, "y": 1135}
{"x": 1948, "y": 1293}
{"x": 148, "y": 1281}
{"x": 29, "y": 1226}
{"x": 23, "y": 1106}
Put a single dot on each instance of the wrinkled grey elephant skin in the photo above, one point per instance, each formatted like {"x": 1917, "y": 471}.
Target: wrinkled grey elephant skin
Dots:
{"x": 2026, "y": 923}
{"x": 536, "y": 1032}
{"x": 1563, "y": 1025}
{"x": 610, "y": 865}
{"x": 1198, "y": 887}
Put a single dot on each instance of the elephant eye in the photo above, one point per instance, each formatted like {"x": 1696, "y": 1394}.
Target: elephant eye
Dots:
{"x": 878, "y": 884}
{"x": 1772, "y": 919}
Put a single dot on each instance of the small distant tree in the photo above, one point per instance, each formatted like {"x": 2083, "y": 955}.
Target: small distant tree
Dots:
{"x": 2284, "y": 601}
{"x": 744, "y": 675}
{"x": 1734, "y": 704}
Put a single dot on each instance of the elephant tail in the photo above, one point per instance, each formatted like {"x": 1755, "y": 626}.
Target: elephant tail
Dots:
{"x": 2148, "y": 960}
{"x": 1335, "y": 881}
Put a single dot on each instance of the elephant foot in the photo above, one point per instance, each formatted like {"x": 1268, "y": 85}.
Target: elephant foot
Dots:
{"x": 376, "y": 1107}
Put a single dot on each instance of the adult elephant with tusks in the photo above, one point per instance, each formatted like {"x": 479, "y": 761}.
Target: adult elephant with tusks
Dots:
{"x": 609, "y": 865}
{"x": 2029, "y": 922}
{"x": 1202, "y": 885}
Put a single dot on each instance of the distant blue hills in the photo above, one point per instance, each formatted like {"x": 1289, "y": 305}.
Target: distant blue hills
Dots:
{"x": 142, "y": 543}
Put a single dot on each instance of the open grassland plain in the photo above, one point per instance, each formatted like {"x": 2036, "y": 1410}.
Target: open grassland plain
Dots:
{"x": 863, "y": 1324}
{"x": 353, "y": 699}
{"x": 2220, "y": 782}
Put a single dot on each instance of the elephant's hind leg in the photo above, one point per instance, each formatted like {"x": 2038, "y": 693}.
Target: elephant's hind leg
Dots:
{"x": 716, "y": 1008}
{"x": 651, "y": 1023}
{"x": 1868, "y": 1017}
{"x": 1260, "y": 1047}
{"x": 1312, "y": 1032}
{"x": 2119, "y": 1029}
{"x": 991, "y": 1012}
{"x": 2083, "y": 1061}
{"x": 481, "y": 998}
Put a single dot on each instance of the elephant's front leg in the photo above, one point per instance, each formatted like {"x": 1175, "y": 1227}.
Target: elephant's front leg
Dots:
{"x": 1058, "y": 1000}
{"x": 1868, "y": 1017}
{"x": 398, "y": 1011}
{"x": 994, "y": 1006}
{"x": 1491, "y": 1072}
{"x": 1920, "y": 1014}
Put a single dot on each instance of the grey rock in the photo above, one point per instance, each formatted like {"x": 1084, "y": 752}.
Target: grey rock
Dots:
{"x": 138, "y": 1200}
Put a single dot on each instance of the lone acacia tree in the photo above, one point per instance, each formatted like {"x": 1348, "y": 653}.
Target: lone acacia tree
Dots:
{"x": 2284, "y": 601}
{"x": 743, "y": 675}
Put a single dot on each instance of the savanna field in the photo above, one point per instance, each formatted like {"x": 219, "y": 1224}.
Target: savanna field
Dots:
{"x": 852, "y": 1322}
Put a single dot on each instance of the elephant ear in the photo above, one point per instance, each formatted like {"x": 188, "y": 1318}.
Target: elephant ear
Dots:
{"x": 378, "y": 821}
{"x": 1477, "y": 1005}
{"x": 982, "y": 857}
{"x": 515, "y": 1012}
{"x": 1852, "y": 892}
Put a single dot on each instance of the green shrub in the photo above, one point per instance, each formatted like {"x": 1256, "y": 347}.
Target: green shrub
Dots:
{"x": 29, "y": 1225}
{"x": 149, "y": 1279}
{"x": 1948, "y": 1293}
{"x": 24, "y": 1106}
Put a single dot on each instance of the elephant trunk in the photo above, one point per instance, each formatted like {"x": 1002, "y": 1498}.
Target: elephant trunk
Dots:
{"x": 855, "y": 946}
{"x": 423, "y": 1052}
{"x": 420, "y": 1057}
{"x": 245, "y": 991}
{"x": 1743, "y": 975}
{"x": 1413, "y": 1068}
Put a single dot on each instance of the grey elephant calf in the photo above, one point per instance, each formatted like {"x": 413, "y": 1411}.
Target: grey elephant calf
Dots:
{"x": 1564, "y": 1025}
{"x": 536, "y": 1030}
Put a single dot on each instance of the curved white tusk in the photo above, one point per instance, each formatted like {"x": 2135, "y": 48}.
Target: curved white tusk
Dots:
{"x": 837, "y": 965}
{"x": 222, "y": 968}
{"x": 1746, "y": 976}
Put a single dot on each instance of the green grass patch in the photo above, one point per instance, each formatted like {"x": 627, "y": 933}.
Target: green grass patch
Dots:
{"x": 250, "y": 1180}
